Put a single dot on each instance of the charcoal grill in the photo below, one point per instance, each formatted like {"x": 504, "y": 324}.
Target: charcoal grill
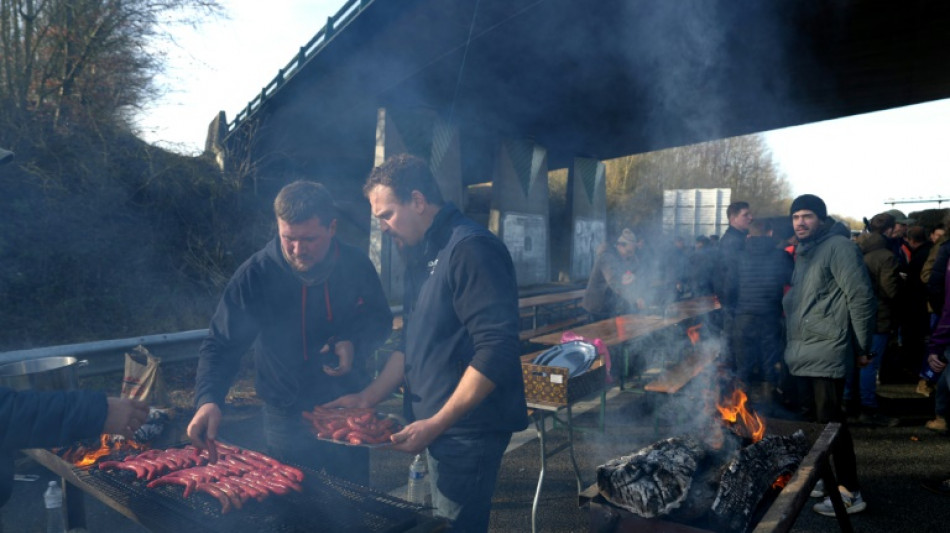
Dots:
{"x": 326, "y": 504}
{"x": 778, "y": 512}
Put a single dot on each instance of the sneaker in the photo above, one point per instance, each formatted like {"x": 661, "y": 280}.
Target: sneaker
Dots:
{"x": 853, "y": 503}
{"x": 938, "y": 424}
{"x": 819, "y": 490}
{"x": 924, "y": 388}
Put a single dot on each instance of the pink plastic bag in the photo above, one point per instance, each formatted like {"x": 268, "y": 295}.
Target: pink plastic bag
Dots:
{"x": 602, "y": 350}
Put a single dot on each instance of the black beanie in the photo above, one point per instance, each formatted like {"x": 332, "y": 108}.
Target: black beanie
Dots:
{"x": 811, "y": 203}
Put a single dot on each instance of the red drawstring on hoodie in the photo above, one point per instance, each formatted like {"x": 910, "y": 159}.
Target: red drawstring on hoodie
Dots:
{"x": 303, "y": 314}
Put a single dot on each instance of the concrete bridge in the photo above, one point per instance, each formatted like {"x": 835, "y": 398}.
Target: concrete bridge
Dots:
{"x": 503, "y": 91}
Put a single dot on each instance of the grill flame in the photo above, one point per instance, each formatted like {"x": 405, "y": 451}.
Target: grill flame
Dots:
{"x": 108, "y": 446}
{"x": 743, "y": 420}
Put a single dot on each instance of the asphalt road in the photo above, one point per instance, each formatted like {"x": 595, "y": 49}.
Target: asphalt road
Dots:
{"x": 892, "y": 463}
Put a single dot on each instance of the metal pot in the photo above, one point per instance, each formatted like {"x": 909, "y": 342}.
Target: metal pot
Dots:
{"x": 44, "y": 373}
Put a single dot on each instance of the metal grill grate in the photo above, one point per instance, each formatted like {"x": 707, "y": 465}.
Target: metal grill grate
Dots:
{"x": 326, "y": 504}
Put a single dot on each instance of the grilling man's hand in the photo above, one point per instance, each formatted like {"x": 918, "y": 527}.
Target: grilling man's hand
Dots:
{"x": 344, "y": 352}
{"x": 203, "y": 429}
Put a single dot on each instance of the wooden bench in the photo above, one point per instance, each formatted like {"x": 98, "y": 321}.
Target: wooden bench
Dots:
{"x": 676, "y": 377}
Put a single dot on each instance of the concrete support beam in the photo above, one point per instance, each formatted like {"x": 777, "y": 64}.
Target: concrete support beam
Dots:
{"x": 422, "y": 133}
{"x": 587, "y": 204}
{"x": 520, "y": 208}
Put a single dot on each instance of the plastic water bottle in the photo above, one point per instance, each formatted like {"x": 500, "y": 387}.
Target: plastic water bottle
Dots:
{"x": 418, "y": 482}
{"x": 53, "y": 498}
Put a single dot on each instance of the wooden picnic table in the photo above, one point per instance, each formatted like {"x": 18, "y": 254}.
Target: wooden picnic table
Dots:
{"x": 623, "y": 328}
{"x": 531, "y": 303}
{"x": 613, "y": 331}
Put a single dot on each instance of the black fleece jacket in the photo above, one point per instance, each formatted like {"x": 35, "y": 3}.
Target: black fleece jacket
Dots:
{"x": 267, "y": 304}
{"x": 463, "y": 311}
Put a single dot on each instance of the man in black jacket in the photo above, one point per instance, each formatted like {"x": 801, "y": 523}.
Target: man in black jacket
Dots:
{"x": 461, "y": 359}
{"x": 764, "y": 271}
{"x": 314, "y": 309}
{"x": 726, "y": 280}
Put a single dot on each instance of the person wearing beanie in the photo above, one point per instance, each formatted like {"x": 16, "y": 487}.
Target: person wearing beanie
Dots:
{"x": 810, "y": 202}
{"x": 830, "y": 317}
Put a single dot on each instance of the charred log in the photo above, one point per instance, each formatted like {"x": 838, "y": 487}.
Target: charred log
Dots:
{"x": 655, "y": 480}
{"x": 750, "y": 475}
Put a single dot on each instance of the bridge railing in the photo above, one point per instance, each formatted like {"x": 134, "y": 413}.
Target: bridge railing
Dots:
{"x": 346, "y": 13}
{"x": 109, "y": 355}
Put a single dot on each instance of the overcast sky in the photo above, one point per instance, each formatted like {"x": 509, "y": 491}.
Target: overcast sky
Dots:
{"x": 856, "y": 164}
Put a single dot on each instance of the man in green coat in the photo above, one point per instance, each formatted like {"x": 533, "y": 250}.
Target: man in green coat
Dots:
{"x": 830, "y": 319}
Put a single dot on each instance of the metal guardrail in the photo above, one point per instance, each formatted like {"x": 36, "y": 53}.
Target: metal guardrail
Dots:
{"x": 109, "y": 356}
{"x": 334, "y": 24}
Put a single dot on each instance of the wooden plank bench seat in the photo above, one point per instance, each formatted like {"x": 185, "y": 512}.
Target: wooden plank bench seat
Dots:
{"x": 675, "y": 378}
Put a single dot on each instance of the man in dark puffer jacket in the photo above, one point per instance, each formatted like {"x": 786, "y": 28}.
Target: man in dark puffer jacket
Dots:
{"x": 764, "y": 270}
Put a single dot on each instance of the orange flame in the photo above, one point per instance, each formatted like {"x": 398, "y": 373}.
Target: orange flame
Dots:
{"x": 693, "y": 333}
{"x": 734, "y": 411}
{"x": 781, "y": 481}
{"x": 108, "y": 446}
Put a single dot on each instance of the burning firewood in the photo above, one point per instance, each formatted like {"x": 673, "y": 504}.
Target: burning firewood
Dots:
{"x": 655, "y": 480}
{"x": 751, "y": 473}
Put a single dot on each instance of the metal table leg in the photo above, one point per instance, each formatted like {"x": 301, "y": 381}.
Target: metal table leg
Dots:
{"x": 539, "y": 417}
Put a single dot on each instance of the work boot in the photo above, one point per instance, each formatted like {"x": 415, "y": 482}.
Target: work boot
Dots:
{"x": 938, "y": 424}
{"x": 924, "y": 388}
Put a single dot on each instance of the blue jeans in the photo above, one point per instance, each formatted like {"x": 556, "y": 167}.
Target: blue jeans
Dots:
{"x": 289, "y": 440}
{"x": 867, "y": 376}
{"x": 463, "y": 470}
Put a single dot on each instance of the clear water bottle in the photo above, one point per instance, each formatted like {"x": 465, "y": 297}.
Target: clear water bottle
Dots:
{"x": 53, "y": 498}
{"x": 418, "y": 480}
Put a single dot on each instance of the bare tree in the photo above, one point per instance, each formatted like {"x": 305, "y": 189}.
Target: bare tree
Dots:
{"x": 84, "y": 60}
{"x": 635, "y": 183}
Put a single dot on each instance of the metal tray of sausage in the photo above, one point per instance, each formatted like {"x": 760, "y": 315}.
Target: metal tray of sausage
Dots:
{"x": 353, "y": 427}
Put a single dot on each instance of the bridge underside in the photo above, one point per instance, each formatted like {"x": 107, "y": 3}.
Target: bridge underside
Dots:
{"x": 601, "y": 79}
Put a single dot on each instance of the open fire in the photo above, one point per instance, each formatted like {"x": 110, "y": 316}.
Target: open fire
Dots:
{"x": 714, "y": 478}
{"x": 108, "y": 445}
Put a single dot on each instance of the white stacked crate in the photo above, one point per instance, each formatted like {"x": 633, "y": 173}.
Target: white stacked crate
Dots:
{"x": 692, "y": 212}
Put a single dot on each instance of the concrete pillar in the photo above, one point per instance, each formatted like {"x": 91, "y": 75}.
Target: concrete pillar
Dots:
{"x": 422, "y": 133}
{"x": 214, "y": 142}
{"x": 520, "y": 209}
{"x": 587, "y": 204}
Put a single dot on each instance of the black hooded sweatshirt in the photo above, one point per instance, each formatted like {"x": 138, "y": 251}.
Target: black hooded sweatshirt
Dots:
{"x": 288, "y": 321}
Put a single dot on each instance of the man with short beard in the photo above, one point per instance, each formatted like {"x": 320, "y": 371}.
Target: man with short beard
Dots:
{"x": 314, "y": 309}
{"x": 830, "y": 320}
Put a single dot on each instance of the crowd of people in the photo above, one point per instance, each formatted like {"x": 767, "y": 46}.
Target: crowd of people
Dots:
{"x": 811, "y": 321}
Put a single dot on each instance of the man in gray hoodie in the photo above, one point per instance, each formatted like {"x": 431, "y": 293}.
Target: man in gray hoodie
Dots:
{"x": 830, "y": 320}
